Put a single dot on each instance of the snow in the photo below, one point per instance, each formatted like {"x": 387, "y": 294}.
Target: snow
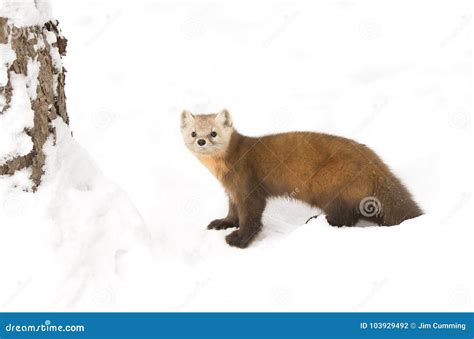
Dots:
{"x": 26, "y": 12}
{"x": 71, "y": 239}
{"x": 32, "y": 69}
{"x": 18, "y": 116}
{"x": 119, "y": 222}
{"x": 7, "y": 56}
{"x": 13, "y": 139}
{"x": 56, "y": 58}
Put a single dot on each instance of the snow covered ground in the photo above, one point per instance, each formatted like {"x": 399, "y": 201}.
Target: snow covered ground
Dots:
{"x": 119, "y": 222}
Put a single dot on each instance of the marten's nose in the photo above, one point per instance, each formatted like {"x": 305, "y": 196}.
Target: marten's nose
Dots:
{"x": 201, "y": 142}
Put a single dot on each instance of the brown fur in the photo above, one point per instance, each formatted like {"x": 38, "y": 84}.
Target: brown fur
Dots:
{"x": 345, "y": 179}
{"x": 216, "y": 164}
{"x": 329, "y": 172}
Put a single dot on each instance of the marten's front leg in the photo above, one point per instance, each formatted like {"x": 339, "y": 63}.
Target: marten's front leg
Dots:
{"x": 250, "y": 220}
{"x": 231, "y": 220}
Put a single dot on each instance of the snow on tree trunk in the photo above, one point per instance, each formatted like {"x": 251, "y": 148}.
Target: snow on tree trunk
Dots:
{"x": 31, "y": 85}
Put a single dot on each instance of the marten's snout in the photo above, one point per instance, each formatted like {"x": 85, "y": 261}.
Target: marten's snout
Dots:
{"x": 201, "y": 142}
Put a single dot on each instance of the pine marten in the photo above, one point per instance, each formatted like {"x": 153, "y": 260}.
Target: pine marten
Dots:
{"x": 343, "y": 178}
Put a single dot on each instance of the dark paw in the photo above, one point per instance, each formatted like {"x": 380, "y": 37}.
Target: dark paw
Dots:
{"x": 238, "y": 240}
{"x": 221, "y": 224}
{"x": 334, "y": 223}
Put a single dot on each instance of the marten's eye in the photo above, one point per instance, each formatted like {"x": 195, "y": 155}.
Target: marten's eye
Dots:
{"x": 193, "y": 134}
{"x": 213, "y": 134}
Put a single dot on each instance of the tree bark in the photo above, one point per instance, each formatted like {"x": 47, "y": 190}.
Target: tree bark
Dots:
{"x": 43, "y": 45}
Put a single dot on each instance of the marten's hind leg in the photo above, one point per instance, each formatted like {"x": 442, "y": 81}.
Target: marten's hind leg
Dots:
{"x": 340, "y": 213}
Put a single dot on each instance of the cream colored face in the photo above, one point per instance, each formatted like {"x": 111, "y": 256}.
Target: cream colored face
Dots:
{"x": 206, "y": 134}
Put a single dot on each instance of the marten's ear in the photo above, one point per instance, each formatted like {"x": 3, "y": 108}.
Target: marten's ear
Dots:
{"x": 186, "y": 118}
{"x": 224, "y": 118}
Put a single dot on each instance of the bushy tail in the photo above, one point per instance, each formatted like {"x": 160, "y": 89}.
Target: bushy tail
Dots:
{"x": 396, "y": 202}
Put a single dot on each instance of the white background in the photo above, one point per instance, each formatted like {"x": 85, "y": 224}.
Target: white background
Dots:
{"x": 396, "y": 76}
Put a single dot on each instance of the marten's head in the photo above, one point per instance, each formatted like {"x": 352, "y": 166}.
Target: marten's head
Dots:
{"x": 206, "y": 134}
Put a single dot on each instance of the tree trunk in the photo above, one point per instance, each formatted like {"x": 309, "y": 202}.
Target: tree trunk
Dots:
{"x": 31, "y": 90}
